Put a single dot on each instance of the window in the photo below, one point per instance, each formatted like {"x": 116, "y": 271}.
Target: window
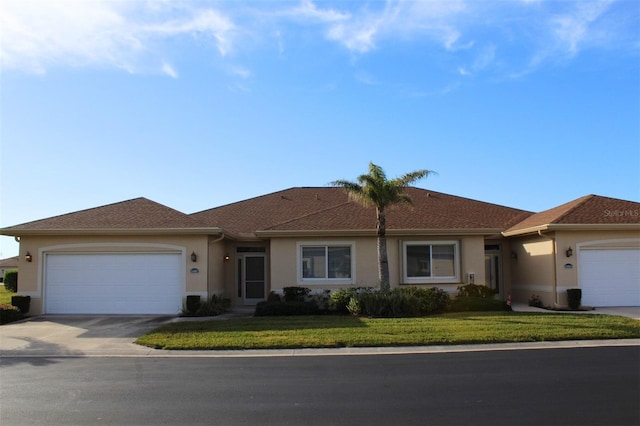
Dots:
{"x": 326, "y": 262}
{"x": 431, "y": 261}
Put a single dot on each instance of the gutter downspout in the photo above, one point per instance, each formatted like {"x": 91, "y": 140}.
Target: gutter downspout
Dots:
{"x": 217, "y": 239}
{"x": 555, "y": 269}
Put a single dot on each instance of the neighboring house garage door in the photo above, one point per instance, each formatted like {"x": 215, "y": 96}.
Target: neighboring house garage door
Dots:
{"x": 610, "y": 277}
{"x": 113, "y": 283}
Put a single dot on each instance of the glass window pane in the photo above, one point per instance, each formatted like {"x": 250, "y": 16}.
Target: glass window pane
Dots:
{"x": 313, "y": 262}
{"x": 443, "y": 261}
{"x": 339, "y": 262}
{"x": 418, "y": 261}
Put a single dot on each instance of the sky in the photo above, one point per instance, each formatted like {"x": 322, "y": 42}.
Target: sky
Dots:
{"x": 197, "y": 104}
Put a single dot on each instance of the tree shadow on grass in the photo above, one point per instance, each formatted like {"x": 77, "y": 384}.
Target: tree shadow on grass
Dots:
{"x": 268, "y": 323}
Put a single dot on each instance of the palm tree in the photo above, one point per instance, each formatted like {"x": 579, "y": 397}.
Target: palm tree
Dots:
{"x": 374, "y": 189}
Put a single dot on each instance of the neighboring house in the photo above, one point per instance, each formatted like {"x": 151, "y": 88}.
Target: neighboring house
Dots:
{"x": 139, "y": 257}
{"x": 592, "y": 243}
{"x": 8, "y": 264}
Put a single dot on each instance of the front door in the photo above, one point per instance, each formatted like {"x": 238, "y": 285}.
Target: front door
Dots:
{"x": 492, "y": 270}
{"x": 254, "y": 281}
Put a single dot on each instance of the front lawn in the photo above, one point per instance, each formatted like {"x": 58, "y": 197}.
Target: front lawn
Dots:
{"x": 347, "y": 331}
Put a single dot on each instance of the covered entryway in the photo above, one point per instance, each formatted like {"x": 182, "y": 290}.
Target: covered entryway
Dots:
{"x": 610, "y": 277}
{"x": 113, "y": 283}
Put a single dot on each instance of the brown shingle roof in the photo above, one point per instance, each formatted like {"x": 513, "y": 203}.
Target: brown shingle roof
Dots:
{"x": 9, "y": 262}
{"x": 590, "y": 209}
{"x": 329, "y": 209}
{"x": 139, "y": 213}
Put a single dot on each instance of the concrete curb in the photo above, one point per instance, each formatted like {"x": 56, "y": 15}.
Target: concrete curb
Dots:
{"x": 142, "y": 352}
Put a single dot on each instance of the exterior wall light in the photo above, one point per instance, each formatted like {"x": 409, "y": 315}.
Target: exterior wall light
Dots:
{"x": 28, "y": 257}
{"x": 514, "y": 255}
{"x": 569, "y": 252}
{"x": 226, "y": 257}
{"x": 194, "y": 256}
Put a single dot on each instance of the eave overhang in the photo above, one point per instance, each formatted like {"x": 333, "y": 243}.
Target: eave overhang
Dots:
{"x": 551, "y": 227}
{"x": 111, "y": 231}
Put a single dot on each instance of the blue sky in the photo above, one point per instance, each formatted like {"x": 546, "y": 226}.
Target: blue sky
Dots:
{"x": 528, "y": 104}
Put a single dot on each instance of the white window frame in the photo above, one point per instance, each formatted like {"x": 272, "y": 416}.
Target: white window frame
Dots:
{"x": 429, "y": 280}
{"x": 326, "y": 244}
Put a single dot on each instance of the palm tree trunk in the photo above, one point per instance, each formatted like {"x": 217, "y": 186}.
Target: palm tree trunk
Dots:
{"x": 383, "y": 263}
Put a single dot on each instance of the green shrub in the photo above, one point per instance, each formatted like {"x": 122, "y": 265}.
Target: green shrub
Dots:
{"x": 21, "y": 302}
{"x": 474, "y": 290}
{"x": 295, "y": 294}
{"x": 431, "y": 300}
{"x": 9, "y": 313}
{"x": 468, "y": 304}
{"x": 400, "y": 302}
{"x": 354, "y": 306}
{"x": 321, "y": 300}
{"x": 11, "y": 281}
{"x": 285, "y": 308}
{"x": 339, "y": 299}
{"x": 215, "y": 306}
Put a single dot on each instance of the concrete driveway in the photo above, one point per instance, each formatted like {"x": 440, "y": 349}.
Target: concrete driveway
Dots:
{"x": 54, "y": 335}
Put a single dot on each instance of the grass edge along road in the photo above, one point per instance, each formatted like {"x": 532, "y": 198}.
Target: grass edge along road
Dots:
{"x": 331, "y": 331}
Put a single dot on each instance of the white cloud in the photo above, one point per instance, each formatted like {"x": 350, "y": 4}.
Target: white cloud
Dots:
{"x": 307, "y": 10}
{"x": 399, "y": 20}
{"x": 573, "y": 28}
{"x": 168, "y": 70}
{"x": 240, "y": 71}
{"x": 136, "y": 36}
{"x": 38, "y": 34}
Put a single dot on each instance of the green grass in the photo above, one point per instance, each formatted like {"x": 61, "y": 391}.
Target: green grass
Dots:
{"x": 5, "y": 296}
{"x": 347, "y": 331}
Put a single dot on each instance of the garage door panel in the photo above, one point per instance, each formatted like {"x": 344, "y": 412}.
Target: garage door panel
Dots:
{"x": 140, "y": 283}
{"x": 610, "y": 277}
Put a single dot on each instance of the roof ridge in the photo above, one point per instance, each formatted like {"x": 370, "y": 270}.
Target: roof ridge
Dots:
{"x": 469, "y": 199}
{"x": 257, "y": 197}
{"x": 86, "y": 210}
{"x": 578, "y": 202}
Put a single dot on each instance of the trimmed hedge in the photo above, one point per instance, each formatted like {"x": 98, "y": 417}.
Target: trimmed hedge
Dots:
{"x": 9, "y": 313}
{"x": 400, "y": 302}
{"x": 21, "y": 302}
{"x": 11, "y": 281}
{"x": 475, "y": 290}
{"x": 468, "y": 304}
{"x": 295, "y": 294}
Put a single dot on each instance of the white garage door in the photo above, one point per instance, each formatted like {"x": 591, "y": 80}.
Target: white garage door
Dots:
{"x": 610, "y": 277}
{"x": 114, "y": 283}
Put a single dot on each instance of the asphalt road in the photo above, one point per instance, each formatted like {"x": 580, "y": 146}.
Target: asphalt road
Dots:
{"x": 582, "y": 386}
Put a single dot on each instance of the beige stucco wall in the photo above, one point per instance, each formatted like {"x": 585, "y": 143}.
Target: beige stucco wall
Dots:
{"x": 217, "y": 264}
{"x": 284, "y": 268}
{"x": 532, "y": 270}
{"x": 31, "y": 275}
{"x": 535, "y": 270}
